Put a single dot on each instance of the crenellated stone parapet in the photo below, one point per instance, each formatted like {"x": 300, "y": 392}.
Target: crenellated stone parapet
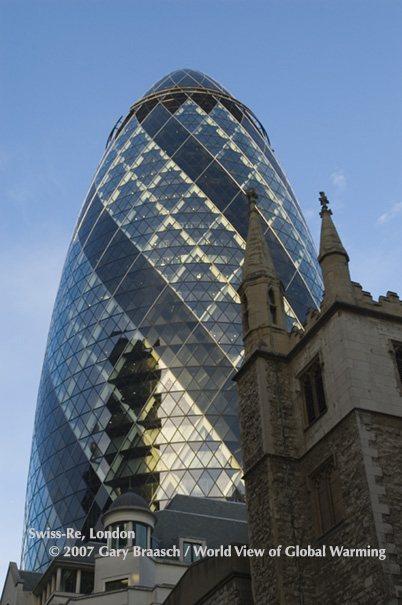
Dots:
{"x": 391, "y": 303}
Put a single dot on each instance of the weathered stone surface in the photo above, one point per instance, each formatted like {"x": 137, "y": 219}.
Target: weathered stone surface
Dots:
{"x": 214, "y": 581}
{"x": 335, "y": 483}
{"x": 361, "y": 432}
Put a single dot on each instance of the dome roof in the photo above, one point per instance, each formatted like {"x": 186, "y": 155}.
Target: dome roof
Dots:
{"x": 185, "y": 78}
{"x": 129, "y": 500}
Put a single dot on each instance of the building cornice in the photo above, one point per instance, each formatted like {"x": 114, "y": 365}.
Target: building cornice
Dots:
{"x": 257, "y": 354}
{"x": 324, "y": 317}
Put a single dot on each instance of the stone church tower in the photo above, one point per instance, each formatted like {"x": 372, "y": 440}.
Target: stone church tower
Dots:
{"x": 321, "y": 421}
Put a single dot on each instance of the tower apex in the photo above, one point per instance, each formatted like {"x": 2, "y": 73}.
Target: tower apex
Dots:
{"x": 252, "y": 198}
{"x": 324, "y": 203}
{"x": 333, "y": 259}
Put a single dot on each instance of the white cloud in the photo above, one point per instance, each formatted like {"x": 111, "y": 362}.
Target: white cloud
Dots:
{"x": 338, "y": 179}
{"x": 390, "y": 214}
{"x": 309, "y": 213}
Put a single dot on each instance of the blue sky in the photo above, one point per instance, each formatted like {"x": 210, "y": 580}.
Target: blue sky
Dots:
{"x": 324, "y": 77}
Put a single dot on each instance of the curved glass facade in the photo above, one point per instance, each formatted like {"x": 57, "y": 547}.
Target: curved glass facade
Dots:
{"x": 136, "y": 389}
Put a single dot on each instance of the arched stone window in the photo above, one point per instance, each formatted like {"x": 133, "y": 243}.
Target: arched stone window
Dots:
{"x": 244, "y": 306}
{"x": 272, "y": 306}
{"x": 313, "y": 391}
{"x": 398, "y": 359}
{"x": 326, "y": 489}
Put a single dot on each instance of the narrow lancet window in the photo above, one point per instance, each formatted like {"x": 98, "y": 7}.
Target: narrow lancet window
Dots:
{"x": 244, "y": 305}
{"x": 272, "y": 305}
{"x": 313, "y": 391}
{"x": 327, "y": 497}
{"x": 398, "y": 360}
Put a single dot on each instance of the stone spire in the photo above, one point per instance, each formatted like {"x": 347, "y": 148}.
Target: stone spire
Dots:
{"x": 261, "y": 292}
{"x": 334, "y": 260}
{"x": 257, "y": 260}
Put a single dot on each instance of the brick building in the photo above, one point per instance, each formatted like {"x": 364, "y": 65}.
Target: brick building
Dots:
{"x": 321, "y": 420}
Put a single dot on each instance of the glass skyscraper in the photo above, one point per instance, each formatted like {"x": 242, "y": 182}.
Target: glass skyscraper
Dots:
{"x": 145, "y": 337}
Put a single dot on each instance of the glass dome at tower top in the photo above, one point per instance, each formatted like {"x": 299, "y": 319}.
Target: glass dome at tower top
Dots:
{"x": 185, "y": 78}
{"x": 174, "y": 88}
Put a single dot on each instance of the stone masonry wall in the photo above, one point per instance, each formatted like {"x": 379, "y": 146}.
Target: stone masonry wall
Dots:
{"x": 282, "y": 511}
{"x": 346, "y": 580}
{"x": 235, "y": 591}
{"x": 257, "y": 482}
{"x": 214, "y": 581}
{"x": 381, "y": 439}
{"x": 274, "y": 484}
{"x": 283, "y": 515}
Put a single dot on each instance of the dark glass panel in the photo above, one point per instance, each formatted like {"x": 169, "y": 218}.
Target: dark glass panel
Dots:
{"x": 193, "y": 158}
{"x": 165, "y": 82}
{"x": 119, "y": 541}
{"x": 205, "y": 101}
{"x": 174, "y": 101}
{"x": 116, "y": 261}
{"x": 145, "y": 109}
{"x": 237, "y": 213}
{"x": 116, "y": 585}
{"x": 87, "y": 582}
{"x": 140, "y": 535}
{"x": 299, "y": 298}
{"x": 68, "y": 580}
{"x": 171, "y": 137}
{"x": 99, "y": 238}
{"x": 232, "y": 107}
{"x": 139, "y": 289}
{"x": 221, "y": 189}
{"x": 94, "y": 210}
{"x": 185, "y": 77}
{"x": 187, "y": 80}
{"x": 191, "y": 551}
{"x": 156, "y": 119}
